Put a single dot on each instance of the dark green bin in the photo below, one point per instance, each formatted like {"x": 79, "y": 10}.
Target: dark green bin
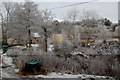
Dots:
{"x": 33, "y": 66}
{"x": 5, "y": 47}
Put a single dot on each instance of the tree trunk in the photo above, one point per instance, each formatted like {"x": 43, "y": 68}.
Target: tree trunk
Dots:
{"x": 45, "y": 35}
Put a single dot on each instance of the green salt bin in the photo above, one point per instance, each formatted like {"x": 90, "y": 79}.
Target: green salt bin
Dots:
{"x": 33, "y": 65}
{"x": 5, "y": 47}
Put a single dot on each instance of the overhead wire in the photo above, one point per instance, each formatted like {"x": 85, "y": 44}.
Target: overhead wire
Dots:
{"x": 72, "y": 5}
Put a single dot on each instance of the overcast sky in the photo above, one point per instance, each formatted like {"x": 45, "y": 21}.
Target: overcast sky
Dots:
{"x": 104, "y": 8}
{"x": 58, "y": 0}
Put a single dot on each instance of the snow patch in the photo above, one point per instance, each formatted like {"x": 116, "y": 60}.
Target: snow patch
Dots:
{"x": 79, "y": 53}
{"x": 36, "y": 35}
{"x": 1, "y": 51}
{"x": 6, "y": 74}
{"x": 51, "y": 47}
{"x": 7, "y": 60}
{"x": 35, "y": 45}
{"x": 61, "y": 75}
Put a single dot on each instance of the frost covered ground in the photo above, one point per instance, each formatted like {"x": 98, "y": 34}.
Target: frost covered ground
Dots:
{"x": 64, "y": 75}
{"x": 7, "y": 67}
{"x": 8, "y": 72}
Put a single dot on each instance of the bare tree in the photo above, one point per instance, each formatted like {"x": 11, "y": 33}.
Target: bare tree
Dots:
{"x": 6, "y": 9}
{"x": 89, "y": 14}
{"x": 103, "y": 33}
{"x": 26, "y": 17}
{"x": 72, "y": 15}
{"x": 8, "y": 6}
{"x": 47, "y": 18}
{"x": 89, "y": 19}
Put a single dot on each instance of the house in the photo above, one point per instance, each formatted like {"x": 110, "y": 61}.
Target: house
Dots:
{"x": 59, "y": 33}
{"x": 86, "y": 39}
{"x": 114, "y": 35}
{"x": 57, "y": 38}
{"x": 36, "y": 38}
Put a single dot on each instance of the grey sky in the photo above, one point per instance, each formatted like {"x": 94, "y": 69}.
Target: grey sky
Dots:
{"x": 103, "y": 9}
{"x": 119, "y": 11}
{"x": 57, "y": 0}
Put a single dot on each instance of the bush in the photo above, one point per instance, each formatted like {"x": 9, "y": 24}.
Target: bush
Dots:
{"x": 104, "y": 65}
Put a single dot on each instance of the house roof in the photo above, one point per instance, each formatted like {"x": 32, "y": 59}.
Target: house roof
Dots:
{"x": 35, "y": 35}
{"x": 59, "y": 28}
{"x": 85, "y": 36}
